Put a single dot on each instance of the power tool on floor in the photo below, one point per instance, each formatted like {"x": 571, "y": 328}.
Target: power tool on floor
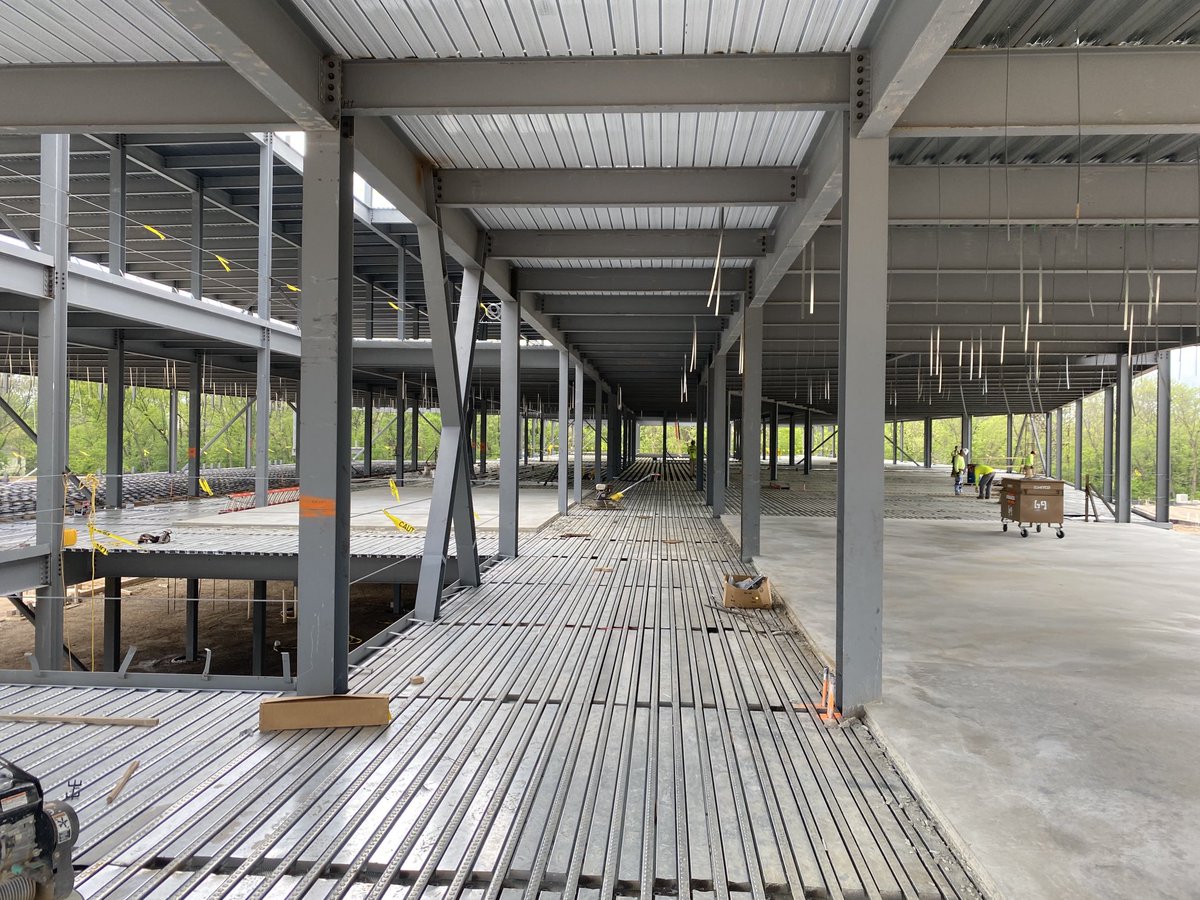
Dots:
{"x": 36, "y": 839}
{"x": 608, "y": 498}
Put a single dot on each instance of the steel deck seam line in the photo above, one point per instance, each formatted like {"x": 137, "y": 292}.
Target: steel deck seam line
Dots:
{"x": 627, "y": 716}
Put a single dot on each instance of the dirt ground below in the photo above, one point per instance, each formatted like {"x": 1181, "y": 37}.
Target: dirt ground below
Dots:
{"x": 153, "y": 615}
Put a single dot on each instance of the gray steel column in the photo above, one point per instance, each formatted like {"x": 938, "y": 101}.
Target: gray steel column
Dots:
{"x": 1008, "y": 442}
{"x": 664, "y": 445}
{"x": 452, "y": 475}
{"x": 326, "y": 314}
{"x": 1124, "y": 437}
{"x": 248, "y": 433}
{"x": 710, "y": 456}
{"x": 598, "y": 418}
{"x": 416, "y": 431}
{"x": 614, "y": 438}
{"x": 1058, "y": 443}
{"x": 117, "y": 207}
{"x": 541, "y": 437}
{"x": 525, "y": 438}
{"x": 1162, "y": 490}
{"x": 1109, "y": 456}
{"x": 1048, "y": 451}
{"x": 114, "y": 466}
{"x": 1078, "y": 444}
{"x": 191, "y": 624}
{"x": 195, "y": 448}
{"x": 481, "y": 446}
{"x": 111, "y": 652}
{"x": 52, "y": 387}
{"x": 401, "y": 292}
{"x": 791, "y": 439}
{"x": 773, "y": 443}
{"x": 262, "y": 390}
{"x": 563, "y": 395}
{"x": 173, "y": 432}
{"x": 510, "y": 426}
{"x": 966, "y": 432}
{"x": 577, "y": 490}
{"x": 258, "y": 629}
{"x": 369, "y": 432}
{"x": 466, "y": 331}
{"x": 752, "y": 431}
{"x": 808, "y": 442}
{"x": 928, "y": 437}
{"x": 401, "y": 402}
{"x": 701, "y": 455}
{"x": 895, "y": 446}
{"x": 720, "y": 433}
{"x": 861, "y": 382}
{"x": 372, "y": 298}
{"x": 196, "y": 267}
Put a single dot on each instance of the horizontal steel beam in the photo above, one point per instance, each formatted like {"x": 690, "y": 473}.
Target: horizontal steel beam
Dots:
{"x": 626, "y": 305}
{"x": 646, "y": 244}
{"x": 814, "y": 81}
{"x": 480, "y": 188}
{"x": 23, "y": 569}
{"x": 80, "y": 98}
{"x": 1089, "y": 90}
{"x": 629, "y": 281}
{"x": 382, "y": 353}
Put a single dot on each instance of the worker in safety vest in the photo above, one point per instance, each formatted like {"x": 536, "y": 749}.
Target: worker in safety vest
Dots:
{"x": 958, "y": 468}
{"x": 691, "y": 452}
{"x": 984, "y": 476}
{"x": 1028, "y": 463}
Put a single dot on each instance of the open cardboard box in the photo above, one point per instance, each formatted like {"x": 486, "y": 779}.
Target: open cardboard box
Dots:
{"x": 325, "y": 711}
{"x": 738, "y": 598}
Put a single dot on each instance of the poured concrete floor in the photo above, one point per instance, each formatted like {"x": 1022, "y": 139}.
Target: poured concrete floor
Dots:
{"x": 1041, "y": 693}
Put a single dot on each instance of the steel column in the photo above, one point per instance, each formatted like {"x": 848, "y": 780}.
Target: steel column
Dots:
{"x": 1078, "y": 444}
{"x": 895, "y": 446}
{"x": 928, "y": 438}
{"x": 368, "y": 432}
{"x": 701, "y": 433}
{"x": 416, "y": 431}
{"x": 262, "y": 390}
{"x": 1058, "y": 443}
{"x": 481, "y": 446}
{"x": 191, "y": 624}
{"x": 258, "y": 628}
{"x": 1162, "y": 490}
{"x": 111, "y": 653}
{"x": 541, "y": 437}
{"x": 563, "y": 394}
{"x": 401, "y": 402}
{"x": 1109, "y": 457}
{"x": 664, "y": 445}
{"x": 966, "y": 433}
{"x": 614, "y": 438}
{"x": 861, "y": 415}
{"x": 577, "y": 433}
{"x": 466, "y": 330}
{"x": 598, "y": 418}
{"x": 1048, "y": 447}
{"x": 791, "y": 439}
{"x": 117, "y": 209}
{"x": 1008, "y": 442}
{"x": 52, "y": 398}
{"x": 401, "y": 292}
{"x": 720, "y": 434}
{"x": 808, "y": 442}
{"x": 510, "y": 424}
{"x": 1124, "y": 437}
{"x": 196, "y": 268}
{"x": 773, "y": 443}
{"x": 195, "y": 450}
{"x": 114, "y": 465}
{"x": 327, "y": 267}
{"x": 751, "y": 425}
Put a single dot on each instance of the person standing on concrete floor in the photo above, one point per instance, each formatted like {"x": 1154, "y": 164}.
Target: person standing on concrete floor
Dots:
{"x": 958, "y": 467}
{"x": 984, "y": 476}
{"x": 691, "y": 452}
{"x": 1028, "y": 464}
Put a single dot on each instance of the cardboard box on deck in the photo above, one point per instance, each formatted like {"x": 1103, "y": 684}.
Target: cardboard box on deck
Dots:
{"x": 737, "y": 598}
{"x": 326, "y": 711}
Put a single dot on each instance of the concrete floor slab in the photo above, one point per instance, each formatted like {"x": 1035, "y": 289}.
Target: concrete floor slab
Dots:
{"x": 1041, "y": 693}
{"x": 537, "y": 507}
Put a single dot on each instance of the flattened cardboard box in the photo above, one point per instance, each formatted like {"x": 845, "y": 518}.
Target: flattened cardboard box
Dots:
{"x": 737, "y": 598}
{"x": 327, "y": 711}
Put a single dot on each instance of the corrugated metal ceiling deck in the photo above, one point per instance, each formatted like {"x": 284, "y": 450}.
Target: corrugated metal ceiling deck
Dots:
{"x": 586, "y": 140}
{"x": 1063, "y": 23}
{"x": 94, "y": 31}
{"x": 625, "y": 218}
{"x": 388, "y": 29}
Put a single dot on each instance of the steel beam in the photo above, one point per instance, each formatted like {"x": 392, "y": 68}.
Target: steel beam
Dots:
{"x": 509, "y": 188}
{"x": 510, "y": 426}
{"x": 1049, "y": 91}
{"x": 563, "y": 459}
{"x": 751, "y": 433}
{"x": 611, "y": 244}
{"x": 811, "y": 81}
{"x": 323, "y": 584}
{"x": 114, "y": 441}
{"x": 1124, "y": 439}
{"x": 1162, "y": 491}
{"x": 861, "y": 416}
{"x": 18, "y": 420}
{"x": 627, "y": 281}
{"x": 52, "y": 409}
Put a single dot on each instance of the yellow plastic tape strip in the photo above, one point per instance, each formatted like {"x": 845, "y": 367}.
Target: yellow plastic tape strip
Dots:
{"x": 393, "y": 305}
{"x": 223, "y": 261}
{"x": 93, "y": 531}
{"x": 204, "y": 486}
{"x": 395, "y": 490}
{"x": 399, "y": 523}
{"x": 292, "y": 288}
{"x": 154, "y": 231}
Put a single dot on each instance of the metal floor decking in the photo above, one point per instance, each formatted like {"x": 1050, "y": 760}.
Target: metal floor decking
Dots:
{"x": 591, "y": 723}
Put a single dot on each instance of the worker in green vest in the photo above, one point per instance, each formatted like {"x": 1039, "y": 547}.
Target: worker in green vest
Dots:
{"x": 984, "y": 476}
{"x": 958, "y": 468}
{"x": 691, "y": 452}
{"x": 1028, "y": 463}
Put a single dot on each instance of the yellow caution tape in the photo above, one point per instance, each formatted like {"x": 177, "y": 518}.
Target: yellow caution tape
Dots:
{"x": 223, "y": 261}
{"x": 399, "y": 523}
{"x": 204, "y": 486}
{"x": 395, "y": 490}
{"x": 292, "y": 288}
{"x": 154, "y": 231}
{"x": 393, "y": 305}
{"x": 93, "y": 531}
